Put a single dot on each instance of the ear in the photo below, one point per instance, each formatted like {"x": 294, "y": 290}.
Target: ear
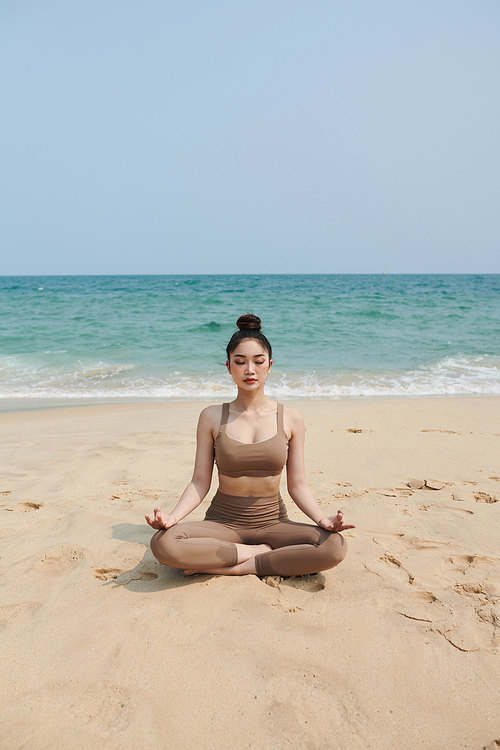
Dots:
{"x": 228, "y": 366}
{"x": 270, "y": 364}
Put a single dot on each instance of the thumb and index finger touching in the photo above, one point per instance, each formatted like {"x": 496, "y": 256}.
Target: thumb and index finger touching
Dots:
{"x": 158, "y": 521}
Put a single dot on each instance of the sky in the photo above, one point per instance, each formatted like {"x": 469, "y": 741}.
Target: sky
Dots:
{"x": 249, "y": 136}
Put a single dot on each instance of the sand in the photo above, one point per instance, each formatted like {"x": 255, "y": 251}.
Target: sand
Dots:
{"x": 399, "y": 647}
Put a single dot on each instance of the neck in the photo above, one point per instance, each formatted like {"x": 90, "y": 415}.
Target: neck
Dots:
{"x": 250, "y": 401}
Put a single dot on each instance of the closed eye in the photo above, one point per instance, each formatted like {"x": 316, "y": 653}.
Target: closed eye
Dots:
{"x": 261, "y": 362}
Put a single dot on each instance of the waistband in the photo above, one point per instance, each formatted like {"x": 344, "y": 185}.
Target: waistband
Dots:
{"x": 234, "y": 510}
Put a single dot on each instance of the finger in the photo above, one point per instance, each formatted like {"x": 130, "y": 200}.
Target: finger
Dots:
{"x": 344, "y": 528}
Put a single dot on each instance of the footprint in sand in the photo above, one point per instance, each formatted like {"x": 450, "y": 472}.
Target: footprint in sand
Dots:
{"x": 106, "y": 574}
{"x": 26, "y": 507}
{"x": 59, "y": 560}
{"x": 465, "y": 606}
{"x": 467, "y": 621}
{"x": 425, "y": 607}
{"x": 134, "y": 575}
{"x": 483, "y": 604}
{"x": 464, "y": 494}
{"x": 475, "y": 628}
{"x": 388, "y": 567}
{"x": 485, "y": 497}
{"x": 463, "y": 563}
{"x": 310, "y": 583}
{"x": 458, "y": 624}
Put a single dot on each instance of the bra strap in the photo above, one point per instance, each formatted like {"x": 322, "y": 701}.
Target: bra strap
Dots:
{"x": 224, "y": 418}
{"x": 281, "y": 427}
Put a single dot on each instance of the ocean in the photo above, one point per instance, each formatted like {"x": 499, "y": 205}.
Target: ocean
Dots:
{"x": 92, "y": 339}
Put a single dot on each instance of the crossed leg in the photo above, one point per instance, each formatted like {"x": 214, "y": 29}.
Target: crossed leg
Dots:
{"x": 284, "y": 548}
{"x": 203, "y": 546}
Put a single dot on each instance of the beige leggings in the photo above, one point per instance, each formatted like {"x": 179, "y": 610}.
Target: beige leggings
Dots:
{"x": 297, "y": 548}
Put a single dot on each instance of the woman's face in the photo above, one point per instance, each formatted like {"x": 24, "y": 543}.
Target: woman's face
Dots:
{"x": 249, "y": 364}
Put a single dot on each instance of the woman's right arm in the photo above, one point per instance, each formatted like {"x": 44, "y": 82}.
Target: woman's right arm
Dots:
{"x": 202, "y": 474}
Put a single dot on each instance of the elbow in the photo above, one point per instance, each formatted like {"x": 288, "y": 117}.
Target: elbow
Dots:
{"x": 201, "y": 486}
{"x": 294, "y": 487}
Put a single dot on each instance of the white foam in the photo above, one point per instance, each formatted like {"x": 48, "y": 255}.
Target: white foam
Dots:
{"x": 451, "y": 376}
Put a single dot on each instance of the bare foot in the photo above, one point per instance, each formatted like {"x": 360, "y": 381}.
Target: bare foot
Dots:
{"x": 241, "y": 569}
{"x": 249, "y": 551}
{"x": 245, "y": 565}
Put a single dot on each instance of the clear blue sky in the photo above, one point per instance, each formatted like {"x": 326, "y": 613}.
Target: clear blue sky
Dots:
{"x": 250, "y": 136}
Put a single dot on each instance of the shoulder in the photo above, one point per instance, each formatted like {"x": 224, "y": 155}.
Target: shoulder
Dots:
{"x": 211, "y": 413}
{"x": 293, "y": 415}
{"x": 294, "y": 422}
{"x": 210, "y": 418}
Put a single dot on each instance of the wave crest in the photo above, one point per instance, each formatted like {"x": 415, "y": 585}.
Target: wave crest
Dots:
{"x": 451, "y": 376}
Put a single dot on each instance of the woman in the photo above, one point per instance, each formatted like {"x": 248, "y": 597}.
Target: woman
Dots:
{"x": 246, "y": 528}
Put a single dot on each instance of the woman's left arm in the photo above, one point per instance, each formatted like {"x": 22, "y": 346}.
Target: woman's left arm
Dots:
{"x": 297, "y": 486}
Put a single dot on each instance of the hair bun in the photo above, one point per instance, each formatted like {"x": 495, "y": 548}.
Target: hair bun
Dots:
{"x": 248, "y": 322}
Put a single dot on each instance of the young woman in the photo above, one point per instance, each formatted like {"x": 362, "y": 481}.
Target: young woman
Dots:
{"x": 246, "y": 528}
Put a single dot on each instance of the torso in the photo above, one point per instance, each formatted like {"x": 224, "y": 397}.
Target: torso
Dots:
{"x": 249, "y": 486}
{"x": 251, "y": 453}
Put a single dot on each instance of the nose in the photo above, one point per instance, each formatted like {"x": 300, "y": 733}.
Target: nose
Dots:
{"x": 249, "y": 369}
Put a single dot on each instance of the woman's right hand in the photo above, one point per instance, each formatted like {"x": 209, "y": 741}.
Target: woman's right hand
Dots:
{"x": 160, "y": 520}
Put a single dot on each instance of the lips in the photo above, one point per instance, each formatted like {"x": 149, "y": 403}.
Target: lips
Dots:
{"x": 250, "y": 380}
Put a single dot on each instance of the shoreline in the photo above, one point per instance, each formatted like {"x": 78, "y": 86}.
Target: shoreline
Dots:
{"x": 13, "y": 406}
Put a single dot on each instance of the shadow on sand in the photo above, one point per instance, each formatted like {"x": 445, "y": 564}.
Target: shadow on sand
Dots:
{"x": 149, "y": 575}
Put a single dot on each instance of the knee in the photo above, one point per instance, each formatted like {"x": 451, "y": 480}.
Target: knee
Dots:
{"x": 336, "y": 550}
{"x": 163, "y": 547}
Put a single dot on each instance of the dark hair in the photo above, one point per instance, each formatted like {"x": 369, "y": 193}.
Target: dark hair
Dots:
{"x": 248, "y": 328}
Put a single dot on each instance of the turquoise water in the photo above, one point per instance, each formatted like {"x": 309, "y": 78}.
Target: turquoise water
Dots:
{"x": 109, "y": 338}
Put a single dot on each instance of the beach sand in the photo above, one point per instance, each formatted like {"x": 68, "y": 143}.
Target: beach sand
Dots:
{"x": 398, "y": 647}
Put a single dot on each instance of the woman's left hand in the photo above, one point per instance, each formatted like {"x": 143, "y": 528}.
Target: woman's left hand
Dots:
{"x": 335, "y": 523}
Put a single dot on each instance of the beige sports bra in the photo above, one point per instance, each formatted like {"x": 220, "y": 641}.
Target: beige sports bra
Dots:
{"x": 263, "y": 459}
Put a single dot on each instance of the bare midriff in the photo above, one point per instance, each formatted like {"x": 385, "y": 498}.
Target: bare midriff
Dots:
{"x": 249, "y": 486}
